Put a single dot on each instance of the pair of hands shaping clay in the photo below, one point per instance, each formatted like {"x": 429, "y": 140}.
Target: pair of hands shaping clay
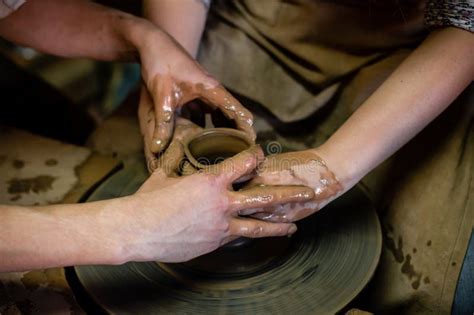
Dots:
{"x": 192, "y": 148}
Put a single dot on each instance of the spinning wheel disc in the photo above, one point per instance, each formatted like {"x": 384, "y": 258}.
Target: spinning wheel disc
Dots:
{"x": 319, "y": 270}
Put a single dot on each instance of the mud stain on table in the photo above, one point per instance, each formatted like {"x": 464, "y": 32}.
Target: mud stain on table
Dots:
{"x": 38, "y": 184}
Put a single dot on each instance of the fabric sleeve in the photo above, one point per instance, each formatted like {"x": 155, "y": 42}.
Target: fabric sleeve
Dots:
{"x": 457, "y": 13}
{"x": 8, "y": 6}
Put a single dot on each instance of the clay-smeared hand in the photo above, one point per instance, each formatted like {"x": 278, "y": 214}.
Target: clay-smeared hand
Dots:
{"x": 295, "y": 168}
{"x": 175, "y": 152}
{"x": 179, "y": 218}
{"x": 175, "y": 82}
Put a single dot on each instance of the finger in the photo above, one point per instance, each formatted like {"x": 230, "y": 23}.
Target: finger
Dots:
{"x": 230, "y": 107}
{"x": 286, "y": 213}
{"x": 188, "y": 169}
{"x": 171, "y": 159}
{"x": 266, "y": 196}
{"x": 239, "y": 165}
{"x": 185, "y": 129}
{"x": 165, "y": 102}
{"x": 146, "y": 121}
{"x": 254, "y": 228}
{"x": 151, "y": 160}
{"x": 283, "y": 177}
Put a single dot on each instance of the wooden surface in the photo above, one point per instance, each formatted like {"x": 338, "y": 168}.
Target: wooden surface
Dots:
{"x": 36, "y": 170}
{"x": 75, "y": 171}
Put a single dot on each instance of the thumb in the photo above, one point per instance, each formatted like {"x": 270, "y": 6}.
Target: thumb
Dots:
{"x": 165, "y": 102}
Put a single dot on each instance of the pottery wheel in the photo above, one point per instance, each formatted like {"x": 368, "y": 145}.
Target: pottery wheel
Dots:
{"x": 319, "y": 270}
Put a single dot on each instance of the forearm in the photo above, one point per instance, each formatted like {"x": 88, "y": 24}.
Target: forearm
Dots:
{"x": 184, "y": 20}
{"x": 60, "y": 235}
{"x": 75, "y": 28}
{"x": 422, "y": 87}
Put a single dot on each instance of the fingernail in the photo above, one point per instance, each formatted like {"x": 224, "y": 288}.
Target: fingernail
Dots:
{"x": 309, "y": 194}
{"x": 157, "y": 146}
{"x": 292, "y": 229}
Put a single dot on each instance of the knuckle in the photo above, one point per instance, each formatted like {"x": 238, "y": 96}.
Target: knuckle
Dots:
{"x": 224, "y": 205}
{"x": 224, "y": 227}
{"x": 212, "y": 81}
{"x": 152, "y": 165}
{"x": 212, "y": 178}
{"x": 256, "y": 231}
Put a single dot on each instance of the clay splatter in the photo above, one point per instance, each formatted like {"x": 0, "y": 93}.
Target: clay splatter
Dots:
{"x": 15, "y": 198}
{"x": 18, "y": 164}
{"x": 409, "y": 270}
{"x": 51, "y": 162}
{"x": 389, "y": 228}
{"x": 397, "y": 251}
{"x": 416, "y": 284}
{"x": 37, "y": 184}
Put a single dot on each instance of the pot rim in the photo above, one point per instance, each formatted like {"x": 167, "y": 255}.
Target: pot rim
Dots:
{"x": 224, "y": 131}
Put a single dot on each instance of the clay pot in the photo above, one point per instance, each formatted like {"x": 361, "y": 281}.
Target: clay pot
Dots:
{"x": 212, "y": 146}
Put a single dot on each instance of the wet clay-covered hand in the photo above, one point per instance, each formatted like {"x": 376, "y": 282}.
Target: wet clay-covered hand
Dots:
{"x": 182, "y": 131}
{"x": 172, "y": 161}
{"x": 295, "y": 168}
{"x": 174, "y": 83}
{"x": 179, "y": 218}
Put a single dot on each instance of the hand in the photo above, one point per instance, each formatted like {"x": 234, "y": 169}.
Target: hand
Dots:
{"x": 296, "y": 168}
{"x": 177, "y": 219}
{"x": 172, "y": 79}
{"x": 183, "y": 130}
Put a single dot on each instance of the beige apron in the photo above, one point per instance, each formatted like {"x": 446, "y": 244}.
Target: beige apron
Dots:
{"x": 303, "y": 67}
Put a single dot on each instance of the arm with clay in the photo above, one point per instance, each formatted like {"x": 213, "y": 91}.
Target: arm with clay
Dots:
{"x": 411, "y": 97}
{"x": 155, "y": 223}
{"x": 77, "y": 28}
{"x": 156, "y": 122}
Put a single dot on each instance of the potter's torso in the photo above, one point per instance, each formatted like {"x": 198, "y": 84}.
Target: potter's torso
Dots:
{"x": 324, "y": 40}
{"x": 304, "y": 52}
{"x": 352, "y": 25}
